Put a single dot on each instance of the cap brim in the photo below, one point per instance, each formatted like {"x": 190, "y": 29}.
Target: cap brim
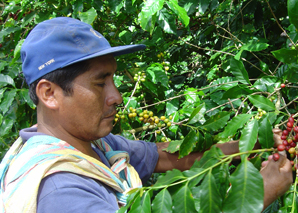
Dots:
{"x": 116, "y": 51}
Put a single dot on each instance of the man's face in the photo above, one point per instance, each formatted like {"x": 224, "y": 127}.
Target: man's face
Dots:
{"x": 89, "y": 112}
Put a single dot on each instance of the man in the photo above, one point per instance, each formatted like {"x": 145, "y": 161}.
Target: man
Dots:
{"x": 70, "y": 162}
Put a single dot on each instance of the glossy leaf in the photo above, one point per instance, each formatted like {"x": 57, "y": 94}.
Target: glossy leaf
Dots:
{"x": 169, "y": 177}
{"x": 292, "y": 12}
{"x": 192, "y": 96}
{"x": 249, "y": 136}
{"x": 254, "y": 46}
{"x": 235, "y": 124}
{"x": 162, "y": 202}
{"x": 179, "y": 11}
{"x": 166, "y": 21}
{"x": 237, "y": 92}
{"x": 6, "y": 126}
{"x": 210, "y": 198}
{"x": 246, "y": 194}
{"x": 238, "y": 70}
{"x": 172, "y": 106}
{"x": 262, "y": 102}
{"x": 7, "y": 101}
{"x": 6, "y": 79}
{"x": 150, "y": 8}
{"x": 188, "y": 144}
{"x": 217, "y": 121}
{"x": 286, "y": 55}
{"x": 17, "y": 50}
{"x": 88, "y": 16}
{"x": 183, "y": 201}
{"x": 209, "y": 158}
{"x": 174, "y": 146}
{"x": 265, "y": 133}
{"x": 198, "y": 114}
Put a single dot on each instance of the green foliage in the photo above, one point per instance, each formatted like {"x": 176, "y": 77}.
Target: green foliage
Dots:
{"x": 210, "y": 67}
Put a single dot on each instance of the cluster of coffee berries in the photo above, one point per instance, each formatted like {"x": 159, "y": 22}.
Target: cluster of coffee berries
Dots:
{"x": 260, "y": 114}
{"x": 141, "y": 75}
{"x": 145, "y": 117}
{"x": 160, "y": 55}
{"x": 289, "y": 137}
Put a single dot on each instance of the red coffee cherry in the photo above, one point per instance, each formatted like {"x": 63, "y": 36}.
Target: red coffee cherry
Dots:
{"x": 282, "y": 85}
{"x": 285, "y": 132}
{"x": 281, "y": 147}
{"x": 283, "y": 137}
{"x": 276, "y": 156}
{"x": 296, "y": 129}
{"x": 292, "y": 144}
{"x": 289, "y": 129}
{"x": 290, "y": 124}
{"x": 291, "y": 119}
{"x": 285, "y": 142}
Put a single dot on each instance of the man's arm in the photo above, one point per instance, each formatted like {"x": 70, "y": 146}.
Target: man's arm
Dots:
{"x": 168, "y": 161}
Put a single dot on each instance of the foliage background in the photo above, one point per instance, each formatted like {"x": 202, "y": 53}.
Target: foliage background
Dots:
{"x": 213, "y": 68}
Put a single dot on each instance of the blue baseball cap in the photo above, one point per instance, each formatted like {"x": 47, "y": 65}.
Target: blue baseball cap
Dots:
{"x": 63, "y": 41}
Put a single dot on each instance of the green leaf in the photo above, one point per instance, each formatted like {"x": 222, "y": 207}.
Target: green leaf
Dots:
{"x": 6, "y": 126}
{"x": 285, "y": 55}
{"x": 248, "y": 137}
{"x": 198, "y": 114}
{"x": 169, "y": 177}
{"x": 88, "y": 16}
{"x": 265, "y": 133}
{"x": 247, "y": 193}
{"x": 142, "y": 204}
{"x": 150, "y": 8}
{"x": 192, "y": 95}
{"x": 238, "y": 70}
{"x": 17, "y": 50}
{"x": 189, "y": 143}
{"x": 217, "y": 121}
{"x": 210, "y": 198}
{"x": 254, "y": 46}
{"x": 234, "y": 124}
{"x": 6, "y": 79}
{"x": 166, "y": 21}
{"x": 8, "y": 31}
{"x": 174, "y": 146}
{"x": 209, "y": 158}
{"x": 292, "y": 12}
{"x": 203, "y": 5}
{"x": 179, "y": 11}
{"x": 7, "y": 100}
{"x": 237, "y": 92}
{"x": 183, "y": 201}
{"x": 162, "y": 202}
{"x": 172, "y": 106}
{"x": 262, "y": 102}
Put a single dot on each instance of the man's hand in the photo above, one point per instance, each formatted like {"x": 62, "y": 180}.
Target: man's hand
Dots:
{"x": 277, "y": 177}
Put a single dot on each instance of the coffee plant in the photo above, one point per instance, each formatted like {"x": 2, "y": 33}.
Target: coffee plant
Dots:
{"x": 213, "y": 71}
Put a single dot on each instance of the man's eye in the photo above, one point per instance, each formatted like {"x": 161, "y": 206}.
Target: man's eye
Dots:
{"x": 101, "y": 85}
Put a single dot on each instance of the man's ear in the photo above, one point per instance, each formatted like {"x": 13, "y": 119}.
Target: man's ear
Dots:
{"x": 48, "y": 93}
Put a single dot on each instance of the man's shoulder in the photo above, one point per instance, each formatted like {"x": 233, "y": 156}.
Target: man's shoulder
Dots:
{"x": 68, "y": 181}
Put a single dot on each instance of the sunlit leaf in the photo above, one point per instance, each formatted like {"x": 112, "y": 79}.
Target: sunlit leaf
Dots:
{"x": 183, "y": 201}
{"x": 210, "y": 199}
{"x": 162, "y": 202}
{"x": 247, "y": 193}
{"x": 265, "y": 133}
{"x": 217, "y": 121}
{"x": 235, "y": 124}
{"x": 262, "y": 102}
{"x": 248, "y": 137}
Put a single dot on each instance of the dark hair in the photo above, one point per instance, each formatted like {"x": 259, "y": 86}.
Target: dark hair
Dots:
{"x": 63, "y": 77}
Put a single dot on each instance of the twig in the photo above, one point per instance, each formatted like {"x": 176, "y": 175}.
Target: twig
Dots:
{"x": 221, "y": 105}
{"x": 201, "y": 48}
{"x": 279, "y": 24}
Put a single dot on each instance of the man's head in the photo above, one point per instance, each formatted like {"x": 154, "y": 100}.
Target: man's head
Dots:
{"x": 70, "y": 67}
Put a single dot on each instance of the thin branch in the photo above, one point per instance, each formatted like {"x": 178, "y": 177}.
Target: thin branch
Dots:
{"x": 279, "y": 24}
